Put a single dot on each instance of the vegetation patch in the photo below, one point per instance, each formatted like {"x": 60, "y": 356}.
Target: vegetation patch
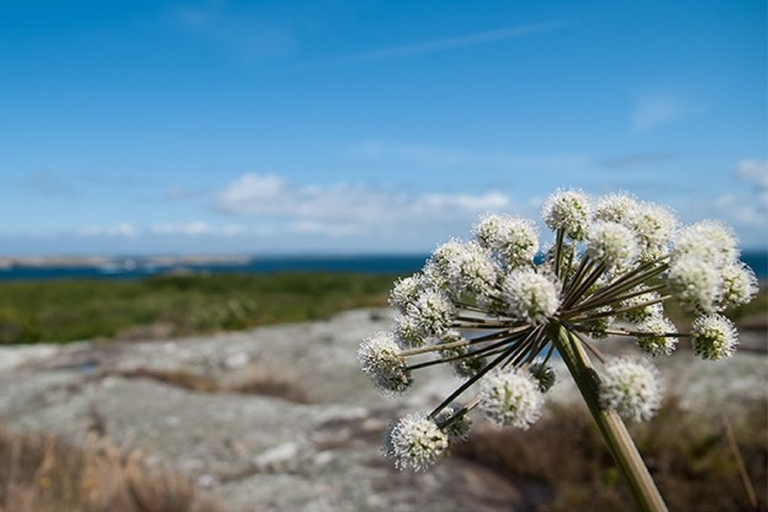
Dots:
{"x": 177, "y": 305}
{"x": 687, "y": 453}
{"x": 42, "y": 473}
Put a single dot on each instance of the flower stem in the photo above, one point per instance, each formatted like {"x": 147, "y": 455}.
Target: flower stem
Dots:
{"x": 612, "y": 429}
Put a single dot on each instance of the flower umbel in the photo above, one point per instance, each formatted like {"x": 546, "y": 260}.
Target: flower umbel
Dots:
{"x": 497, "y": 314}
{"x": 632, "y": 388}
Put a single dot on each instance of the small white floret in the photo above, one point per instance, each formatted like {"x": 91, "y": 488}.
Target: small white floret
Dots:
{"x": 531, "y": 296}
{"x": 740, "y": 285}
{"x": 612, "y": 242}
{"x": 714, "y": 337}
{"x": 415, "y": 442}
{"x": 511, "y": 398}
{"x": 379, "y": 357}
{"x": 654, "y": 339}
{"x": 568, "y": 210}
{"x": 696, "y": 282}
{"x": 631, "y": 387}
{"x": 515, "y": 239}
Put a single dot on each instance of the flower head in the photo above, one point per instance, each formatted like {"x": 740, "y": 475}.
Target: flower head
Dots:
{"x": 515, "y": 239}
{"x": 696, "y": 282}
{"x": 380, "y": 359}
{"x": 654, "y": 226}
{"x": 659, "y": 337}
{"x": 568, "y": 210}
{"x": 415, "y": 442}
{"x": 405, "y": 291}
{"x": 714, "y": 337}
{"x": 612, "y": 242}
{"x": 710, "y": 240}
{"x": 432, "y": 312}
{"x": 511, "y": 398}
{"x": 631, "y": 387}
{"x": 531, "y": 296}
{"x": 739, "y": 284}
{"x": 615, "y": 208}
{"x": 462, "y": 267}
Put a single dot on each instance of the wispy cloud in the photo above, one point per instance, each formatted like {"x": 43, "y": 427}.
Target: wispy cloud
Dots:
{"x": 244, "y": 32}
{"x": 440, "y": 45}
{"x": 436, "y": 156}
{"x": 344, "y": 208}
{"x": 652, "y": 110}
{"x": 121, "y": 230}
{"x": 755, "y": 172}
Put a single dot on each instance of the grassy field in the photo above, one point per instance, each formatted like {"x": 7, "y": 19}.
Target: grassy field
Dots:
{"x": 77, "y": 309}
{"x": 67, "y": 310}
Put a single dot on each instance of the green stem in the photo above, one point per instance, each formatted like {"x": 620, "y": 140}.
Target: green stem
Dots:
{"x": 611, "y": 427}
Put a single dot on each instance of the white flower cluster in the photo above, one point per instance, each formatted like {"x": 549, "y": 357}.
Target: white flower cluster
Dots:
{"x": 415, "y": 442}
{"x": 631, "y": 387}
{"x": 705, "y": 271}
{"x": 380, "y": 358}
{"x": 714, "y": 337}
{"x": 511, "y": 398}
{"x": 495, "y": 312}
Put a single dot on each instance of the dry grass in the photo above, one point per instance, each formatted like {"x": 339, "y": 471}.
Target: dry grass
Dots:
{"x": 41, "y": 473}
{"x": 687, "y": 454}
{"x": 254, "y": 380}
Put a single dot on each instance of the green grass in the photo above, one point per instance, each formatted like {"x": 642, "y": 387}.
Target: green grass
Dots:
{"x": 67, "y": 310}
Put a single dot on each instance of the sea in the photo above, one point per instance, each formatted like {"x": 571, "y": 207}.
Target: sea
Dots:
{"x": 136, "y": 267}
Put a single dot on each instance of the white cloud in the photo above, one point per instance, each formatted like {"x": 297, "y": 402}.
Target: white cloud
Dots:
{"x": 123, "y": 230}
{"x": 654, "y": 110}
{"x": 345, "y": 209}
{"x": 195, "y": 229}
{"x": 754, "y": 171}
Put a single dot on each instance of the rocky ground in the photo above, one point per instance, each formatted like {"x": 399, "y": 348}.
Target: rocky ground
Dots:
{"x": 314, "y": 444}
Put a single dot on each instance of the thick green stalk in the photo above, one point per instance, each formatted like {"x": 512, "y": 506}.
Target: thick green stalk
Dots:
{"x": 611, "y": 427}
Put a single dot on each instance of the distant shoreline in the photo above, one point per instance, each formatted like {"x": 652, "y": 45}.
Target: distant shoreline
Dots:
{"x": 131, "y": 267}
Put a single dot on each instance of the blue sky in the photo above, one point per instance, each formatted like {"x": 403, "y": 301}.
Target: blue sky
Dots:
{"x": 367, "y": 126}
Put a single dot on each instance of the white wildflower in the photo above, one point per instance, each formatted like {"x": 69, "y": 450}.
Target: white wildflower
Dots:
{"x": 568, "y": 210}
{"x": 511, "y": 398}
{"x": 710, "y": 240}
{"x": 379, "y": 357}
{"x": 597, "y": 325}
{"x": 740, "y": 284}
{"x": 696, "y": 282}
{"x": 612, "y": 242}
{"x": 408, "y": 331}
{"x": 405, "y": 291}
{"x": 432, "y": 312}
{"x": 415, "y": 442}
{"x": 475, "y": 271}
{"x": 631, "y": 387}
{"x": 637, "y": 307}
{"x": 515, "y": 239}
{"x": 615, "y": 208}
{"x": 714, "y": 337}
{"x": 654, "y": 225}
{"x": 531, "y": 296}
{"x": 654, "y": 342}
